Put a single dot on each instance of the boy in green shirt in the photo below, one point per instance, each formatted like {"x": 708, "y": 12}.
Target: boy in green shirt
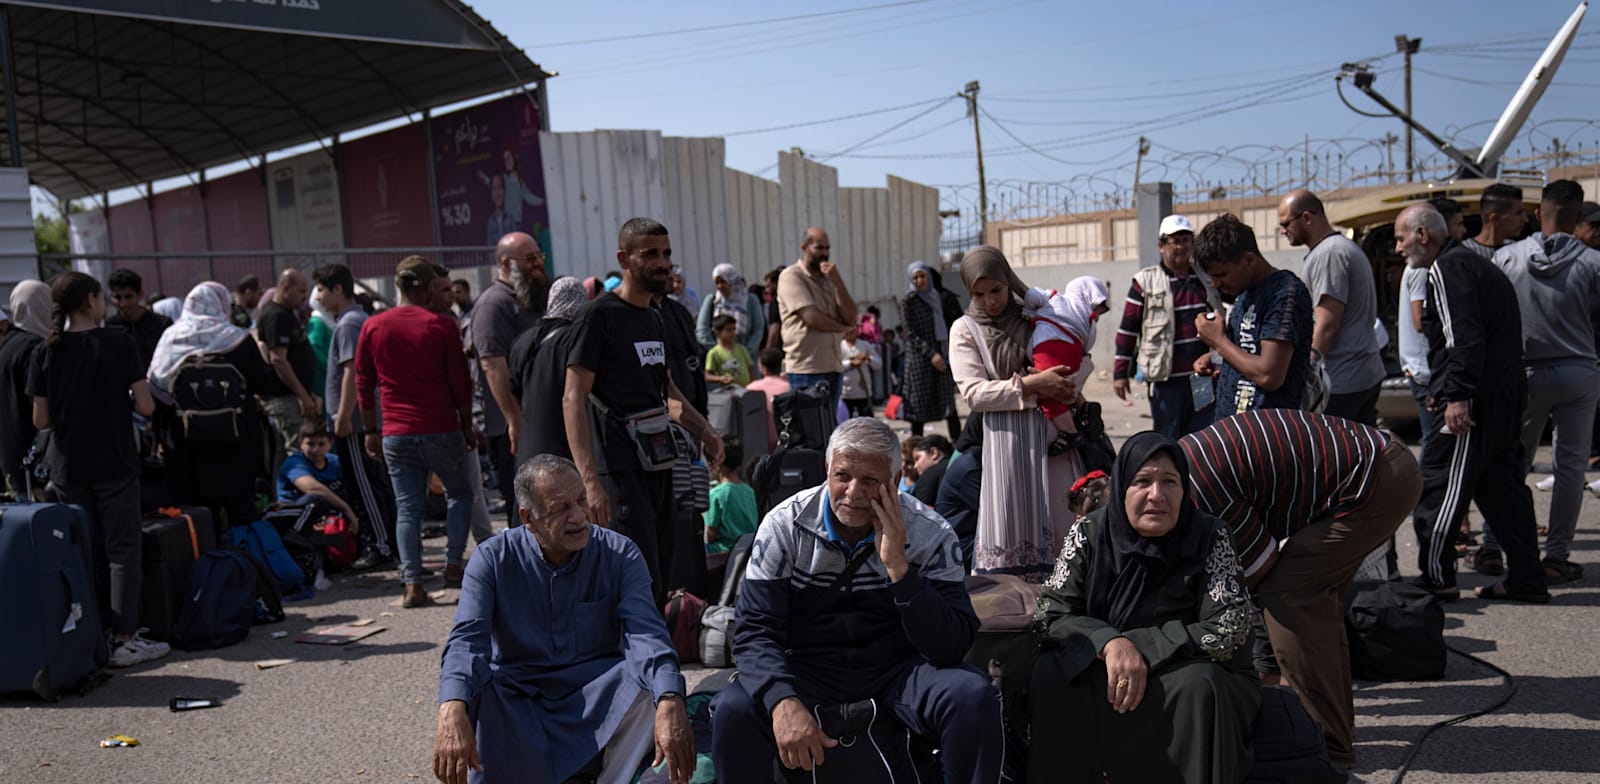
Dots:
{"x": 728, "y": 362}
{"x": 733, "y": 503}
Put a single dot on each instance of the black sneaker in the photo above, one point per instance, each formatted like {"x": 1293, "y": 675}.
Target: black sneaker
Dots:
{"x": 371, "y": 559}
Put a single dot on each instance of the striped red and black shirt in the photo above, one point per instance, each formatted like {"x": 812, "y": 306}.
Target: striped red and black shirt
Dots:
{"x": 1188, "y": 301}
{"x": 1269, "y": 473}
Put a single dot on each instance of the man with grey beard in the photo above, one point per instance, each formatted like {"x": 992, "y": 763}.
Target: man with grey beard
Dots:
{"x": 508, "y": 307}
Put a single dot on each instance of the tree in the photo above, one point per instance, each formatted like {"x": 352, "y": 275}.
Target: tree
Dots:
{"x": 50, "y": 234}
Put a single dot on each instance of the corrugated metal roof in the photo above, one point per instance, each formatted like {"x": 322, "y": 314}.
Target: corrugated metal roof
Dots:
{"x": 107, "y": 99}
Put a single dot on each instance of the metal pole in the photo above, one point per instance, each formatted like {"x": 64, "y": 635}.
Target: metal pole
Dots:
{"x": 1408, "y": 47}
{"x": 971, "y": 94}
{"x": 12, "y": 133}
{"x": 433, "y": 190}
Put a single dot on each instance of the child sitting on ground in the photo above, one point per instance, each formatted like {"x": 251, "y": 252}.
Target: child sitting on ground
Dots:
{"x": 312, "y": 476}
{"x": 1063, "y": 336}
{"x": 733, "y": 504}
{"x": 727, "y": 363}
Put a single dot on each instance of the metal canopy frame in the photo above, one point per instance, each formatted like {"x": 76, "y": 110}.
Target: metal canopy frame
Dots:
{"x": 103, "y": 101}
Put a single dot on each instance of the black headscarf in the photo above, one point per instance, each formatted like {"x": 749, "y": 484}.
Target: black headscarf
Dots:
{"x": 1134, "y": 567}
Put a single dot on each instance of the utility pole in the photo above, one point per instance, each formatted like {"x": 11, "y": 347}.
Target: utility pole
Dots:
{"x": 1388, "y": 141}
{"x": 1408, "y": 47}
{"x": 1138, "y": 161}
{"x": 971, "y": 94}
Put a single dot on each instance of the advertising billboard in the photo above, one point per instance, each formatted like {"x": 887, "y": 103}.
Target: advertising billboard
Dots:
{"x": 488, "y": 173}
{"x": 385, "y": 184}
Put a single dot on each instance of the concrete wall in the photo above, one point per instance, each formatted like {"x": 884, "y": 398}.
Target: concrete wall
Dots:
{"x": 19, "y": 256}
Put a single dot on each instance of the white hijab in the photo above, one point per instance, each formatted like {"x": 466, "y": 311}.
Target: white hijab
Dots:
{"x": 204, "y": 328}
{"x": 171, "y": 307}
{"x": 737, "y": 303}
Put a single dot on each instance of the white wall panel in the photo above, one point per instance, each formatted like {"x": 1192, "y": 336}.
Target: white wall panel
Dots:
{"x": 755, "y": 225}
{"x": 696, "y": 186}
{"x": 810, "y": 198}
{"x": 596, "y": 180}
{"x": 863, "y": 246}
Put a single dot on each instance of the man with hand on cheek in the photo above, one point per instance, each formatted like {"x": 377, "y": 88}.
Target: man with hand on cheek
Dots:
{"x": 854, "y": 593}
{"x": 559, "y": 664}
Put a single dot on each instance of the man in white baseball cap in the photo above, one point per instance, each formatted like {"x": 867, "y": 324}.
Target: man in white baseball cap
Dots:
{"x": 1157, "y": 337}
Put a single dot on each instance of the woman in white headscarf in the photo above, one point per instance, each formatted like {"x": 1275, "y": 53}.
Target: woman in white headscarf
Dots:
{"x": 928, "y": 388}
{"x": 30, "y": 325}
{"x": 171, "y": 307}
{"x": 732, "y": 298}
{"x": 223, "y": 477}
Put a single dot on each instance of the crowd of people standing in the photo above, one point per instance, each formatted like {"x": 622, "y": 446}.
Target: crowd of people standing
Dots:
{"x": 590, "y": 391}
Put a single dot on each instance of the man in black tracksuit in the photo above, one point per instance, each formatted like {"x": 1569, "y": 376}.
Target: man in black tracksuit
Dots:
{"x": 1474, "y": 332}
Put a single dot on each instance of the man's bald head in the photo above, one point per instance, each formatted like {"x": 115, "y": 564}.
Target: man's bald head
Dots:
{"x": 815, "y": 248}
{"x": 292, "y": 288}
{"x": 1302, "y": 218}
{"x": 517, "y": 249}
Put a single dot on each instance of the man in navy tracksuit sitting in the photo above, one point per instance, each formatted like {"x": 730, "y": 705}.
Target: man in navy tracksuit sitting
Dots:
{"x": 895, "y": 633}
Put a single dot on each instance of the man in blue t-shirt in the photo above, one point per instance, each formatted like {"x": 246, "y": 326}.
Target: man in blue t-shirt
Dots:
{"x": 312, "y": 475}
{"x": 1266, "y": 345}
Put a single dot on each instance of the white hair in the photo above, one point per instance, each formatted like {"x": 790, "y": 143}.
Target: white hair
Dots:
{"x": 865, "y": 437}
{"x": 1424, "y": 216}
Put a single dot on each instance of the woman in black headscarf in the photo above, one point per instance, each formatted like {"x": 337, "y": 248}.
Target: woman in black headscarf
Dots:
{"x": 1146, "y": 673}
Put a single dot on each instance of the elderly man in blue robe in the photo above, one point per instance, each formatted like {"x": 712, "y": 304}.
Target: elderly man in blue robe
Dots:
{"x": 559, "y": 666}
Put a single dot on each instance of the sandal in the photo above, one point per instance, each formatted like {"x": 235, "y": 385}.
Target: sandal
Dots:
{"x": 1501, "y": 592}
{"x": 1489, "y": 562}
{"x": 1557, "y": 571}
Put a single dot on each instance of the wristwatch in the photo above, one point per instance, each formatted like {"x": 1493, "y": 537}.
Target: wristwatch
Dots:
{"x": 665, "y": 695}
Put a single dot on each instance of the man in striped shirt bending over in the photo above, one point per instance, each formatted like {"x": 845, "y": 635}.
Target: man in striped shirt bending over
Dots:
{"x": 1308, "y": 496}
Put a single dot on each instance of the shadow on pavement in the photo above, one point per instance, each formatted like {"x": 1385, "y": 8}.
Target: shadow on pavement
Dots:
{"x": 136, "y": 690}
{"x": 1482, "y": 749}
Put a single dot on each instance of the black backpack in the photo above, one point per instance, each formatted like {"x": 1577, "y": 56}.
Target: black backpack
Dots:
{"x": 785, "y": 472}
{"x": 210, "y": 397}
{"x": 805, "y": 418}
{"x": 1288, "y": 743}
{"x": 220, "y": 606}
{"x": 1396, "y": 632}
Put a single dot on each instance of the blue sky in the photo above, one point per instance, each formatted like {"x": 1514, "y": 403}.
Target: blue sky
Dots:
{"x": 1079, "y": 81}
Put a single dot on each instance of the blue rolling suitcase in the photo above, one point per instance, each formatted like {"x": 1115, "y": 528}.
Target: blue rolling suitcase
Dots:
{"x": 48, "y": 613}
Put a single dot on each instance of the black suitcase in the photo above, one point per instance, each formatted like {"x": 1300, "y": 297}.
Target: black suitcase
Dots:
{"x": 785, "y": 472}
{"x": 48, "y": 610}
{"x": 740, "y": 416}
{"x": 806, "y": 417}
{"x": 169, "y": 549}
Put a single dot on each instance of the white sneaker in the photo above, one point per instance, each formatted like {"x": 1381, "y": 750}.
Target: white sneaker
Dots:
{"x": 1594, "y": 487}
{"x": 138, "y": 650}
{"x": 1545, "y": 484}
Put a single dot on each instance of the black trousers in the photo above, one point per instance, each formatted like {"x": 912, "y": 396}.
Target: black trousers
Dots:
{"x": 642, "y": 509}
{"x": 502, "y": 458}
{"x": 1484, "y": 465}
{"x": 368, "y": 489}
{"x": 1359, "y": 406}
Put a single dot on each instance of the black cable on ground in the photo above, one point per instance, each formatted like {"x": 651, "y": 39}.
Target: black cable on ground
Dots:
{"x": 1416, "y": 745}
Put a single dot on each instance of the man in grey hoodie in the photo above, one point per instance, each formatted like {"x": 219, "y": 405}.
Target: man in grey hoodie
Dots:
{"x": 1557, "y": 280}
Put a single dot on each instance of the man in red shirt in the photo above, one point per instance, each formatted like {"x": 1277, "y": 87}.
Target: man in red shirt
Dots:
{"x": 411, "y": 356}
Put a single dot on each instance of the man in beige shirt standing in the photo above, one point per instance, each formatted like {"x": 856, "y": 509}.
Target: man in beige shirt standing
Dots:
{"x": 815, "y": 308}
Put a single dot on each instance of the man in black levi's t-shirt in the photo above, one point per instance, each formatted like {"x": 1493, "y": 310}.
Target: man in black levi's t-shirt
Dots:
{"x": 619, "y": 354}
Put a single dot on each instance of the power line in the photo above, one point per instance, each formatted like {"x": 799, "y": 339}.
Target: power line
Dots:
{"x": 729, "y": 26}
{"x": 823, "y": 158}
{"x": 840, "y": 118}
{"x": 1037, "y": 151}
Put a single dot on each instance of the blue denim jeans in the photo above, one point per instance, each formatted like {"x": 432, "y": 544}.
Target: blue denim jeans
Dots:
{"x": 1172, "y": 411}
{"x": 410, "y": 460}
{"x": 803, "y": 380}
{"x": 1429, "y": 420}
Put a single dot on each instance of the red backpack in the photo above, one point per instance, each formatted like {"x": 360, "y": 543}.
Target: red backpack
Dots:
{"x": 339, "y": 543}
{"x": 682, "y": 612}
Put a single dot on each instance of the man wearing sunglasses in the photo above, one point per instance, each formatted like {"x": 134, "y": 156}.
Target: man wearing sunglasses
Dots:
{"x": 1344, "y": 298}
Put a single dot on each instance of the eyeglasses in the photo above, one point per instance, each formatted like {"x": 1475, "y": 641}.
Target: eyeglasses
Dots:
{"x": 1284, "y": 224}
{"x": 537, "y": 255}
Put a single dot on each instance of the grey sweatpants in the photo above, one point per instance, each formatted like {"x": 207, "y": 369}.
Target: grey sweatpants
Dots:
{"x": 1568, "y": 392}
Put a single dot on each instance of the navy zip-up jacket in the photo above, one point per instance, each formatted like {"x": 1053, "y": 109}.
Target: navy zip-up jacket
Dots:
{"x": 793, "y": 638}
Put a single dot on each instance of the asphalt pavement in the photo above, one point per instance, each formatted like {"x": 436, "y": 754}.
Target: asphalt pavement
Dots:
{"x": 366, "y": 712}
